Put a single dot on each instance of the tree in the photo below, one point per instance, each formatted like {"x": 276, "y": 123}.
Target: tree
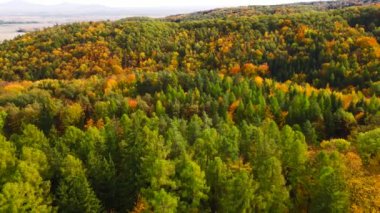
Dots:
{"x": 240, "y": 189}
{"x": 102, "y": 176}
{"x": 205, "y": 148}
{"x": 7, "y": 158}
{"x": 247, "y": 140}
{"x": 23, "y": 197}
{"x": 72, "y": 115}
{"x": 344, "y": 123}
{"x": 368, "y": 144}
{"x": 156, "y": 173}
{"x": 175, "y": 138}
{"x": 194, "y": 129}
{"x": 330, "y": 193}
{"x": 228, "y": 143}
{"x": 309, "y": 132}
{"x": 72, "y": 141}
{"x": 31, "y": 136}
{"x": 160, "y": 109}
{"x": 3, "y": 116}
{"x": 232, "y": 188}
{"x": 191, "y": 185}
{"x": 161, "y": 201}
{"x": 294, "y": 157}
{"x": 74, "y": 191}
{"x": 272, "y": 194}
{"x": 36, "y": 159}
{"x": 339, "y": 145}
{"x": 26, "y": 190}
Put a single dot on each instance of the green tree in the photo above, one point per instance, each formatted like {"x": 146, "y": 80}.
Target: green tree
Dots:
{"x": 24, "y": 197}
{"x": 72, "y": 115}
{"x": 3, "y": 116}
{"x": 7, "y": 158}
{"x": 205, "y": 147}
{"x": 294, "y": 157}
{"x": 228, "y": 143}
{"x": 309, "y": 132}
{"x": 194, "y": 129}
{"x": 368, "y": 144}
{"x": 330, "y": 194}
{"x": 26, "y": 191}
{"x": 74, "y": 191}
{"x": 157, "y": 173}
{"x": 31, "y": 136}
{"x": 160, "y": 109}
{"x": 232, "y": 188}
{"x": 272, "y": 194}
{"x": 191, "y": 185}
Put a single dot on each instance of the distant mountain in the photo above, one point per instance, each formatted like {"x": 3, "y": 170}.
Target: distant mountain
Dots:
{"x": 20, "y": 7}
{"x": 24, "y": 8}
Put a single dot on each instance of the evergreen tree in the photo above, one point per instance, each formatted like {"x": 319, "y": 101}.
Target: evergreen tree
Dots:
{"x": 74, "y": 191}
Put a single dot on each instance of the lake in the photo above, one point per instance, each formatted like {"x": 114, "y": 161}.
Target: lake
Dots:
{"x": 8, "y": 30}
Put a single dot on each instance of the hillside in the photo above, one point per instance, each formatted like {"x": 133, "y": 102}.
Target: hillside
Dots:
{"x": 272, "y": 9}
{"x": 254, "y": 109}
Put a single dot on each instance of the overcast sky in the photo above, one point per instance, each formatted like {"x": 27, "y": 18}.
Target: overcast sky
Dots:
{"x": 166, "y": 3}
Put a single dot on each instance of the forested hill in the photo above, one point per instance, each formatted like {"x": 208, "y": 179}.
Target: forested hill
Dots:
{"x": 338, "y": 48}
{"x": 273, "y": 9}
{"x": 237, "y": 110}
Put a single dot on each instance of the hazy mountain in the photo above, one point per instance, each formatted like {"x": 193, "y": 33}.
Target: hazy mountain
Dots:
{"x": 24, "y": 8}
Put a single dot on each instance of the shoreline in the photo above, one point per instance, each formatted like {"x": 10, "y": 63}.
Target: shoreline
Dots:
{"x": 14, "y": 26}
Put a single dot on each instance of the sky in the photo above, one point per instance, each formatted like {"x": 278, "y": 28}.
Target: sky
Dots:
{"x": 164, "y": 3}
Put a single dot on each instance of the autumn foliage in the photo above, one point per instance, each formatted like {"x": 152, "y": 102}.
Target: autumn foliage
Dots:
{"x": 250, "y": 109}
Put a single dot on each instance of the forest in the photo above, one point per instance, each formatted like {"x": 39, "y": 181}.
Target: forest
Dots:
{"x": 254, "y": 109}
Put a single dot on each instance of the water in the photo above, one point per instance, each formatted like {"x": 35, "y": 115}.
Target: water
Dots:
{"x": 9, "y": 31}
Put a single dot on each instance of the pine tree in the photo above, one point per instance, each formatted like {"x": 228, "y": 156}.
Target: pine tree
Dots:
{"x": 74, "y": 191}
{"x": 191, "y": 182}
